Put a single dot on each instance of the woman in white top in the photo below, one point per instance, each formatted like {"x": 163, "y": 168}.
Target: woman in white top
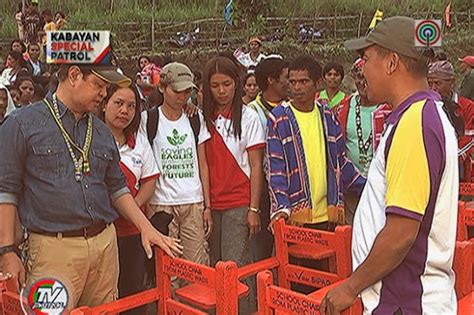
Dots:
{"x": 234, "y": 155}
{"x": 15, "y": 63}
{"x": 27, "y": 89}
{"x": 122, "y": 115}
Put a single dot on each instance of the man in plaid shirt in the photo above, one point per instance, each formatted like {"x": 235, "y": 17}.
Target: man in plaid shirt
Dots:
{"x": 308, "y": 166}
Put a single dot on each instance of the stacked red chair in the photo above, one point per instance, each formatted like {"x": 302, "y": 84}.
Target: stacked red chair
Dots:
{"x": 311, "y": 242}
{"x": 463, "y": 263}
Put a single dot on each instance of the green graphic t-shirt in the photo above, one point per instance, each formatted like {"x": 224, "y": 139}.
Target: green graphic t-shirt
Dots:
{"x": 175, "y": 152}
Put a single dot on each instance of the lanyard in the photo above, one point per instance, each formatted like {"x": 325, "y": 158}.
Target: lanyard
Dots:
{"x": 81, "y": 166}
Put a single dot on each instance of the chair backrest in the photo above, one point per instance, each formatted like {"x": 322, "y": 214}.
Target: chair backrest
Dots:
{"x": 121, "y": 305}
{"x": 223, "y": 279}
{"x": 277, "y": 300}
{"x": 466, "y": 189}
{"x": 463, "y": 262}
{"x": 465, "y": 219}
{"x": 338, "y": 241}
{"x": 166, "y": 267}
{"x": 9, "y": 298}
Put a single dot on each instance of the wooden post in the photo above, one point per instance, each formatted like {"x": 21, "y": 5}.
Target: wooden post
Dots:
{"x": 360, "y": 24}
{"x": 153, "y": 24}
{"x": 469, "y": 18}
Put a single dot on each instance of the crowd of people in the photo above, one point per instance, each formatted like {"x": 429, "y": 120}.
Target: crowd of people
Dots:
{"x": 98, "y": 167}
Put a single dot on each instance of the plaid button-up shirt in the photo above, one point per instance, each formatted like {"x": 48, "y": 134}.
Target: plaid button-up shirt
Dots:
{"x": 288, "y": 176}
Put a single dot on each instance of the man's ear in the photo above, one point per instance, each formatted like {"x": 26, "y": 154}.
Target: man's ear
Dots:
{"x": 393, "y": 62}
{"x": 319, "y": 84}
{"x": 162, "y": 88}
{"x": 74, "y": 75}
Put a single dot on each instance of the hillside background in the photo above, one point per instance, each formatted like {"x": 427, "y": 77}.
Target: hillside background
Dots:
{"x": 137, "y": 28}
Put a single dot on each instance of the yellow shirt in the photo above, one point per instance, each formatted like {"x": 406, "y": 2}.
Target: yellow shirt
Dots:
{"x": 49, "y": 27}
{"x": 311, "y": 129}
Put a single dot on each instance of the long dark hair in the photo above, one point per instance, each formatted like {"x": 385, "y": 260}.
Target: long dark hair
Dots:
{"x": 18, "y": 57}
{"x": 225, "y": 66}
{"x": 132, "y": 128}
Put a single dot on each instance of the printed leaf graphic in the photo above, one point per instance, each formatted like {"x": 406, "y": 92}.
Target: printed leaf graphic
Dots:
{"x": 171, "y": 141}
{"x": 182, "y": 138}
{"x": 175, "y": 132}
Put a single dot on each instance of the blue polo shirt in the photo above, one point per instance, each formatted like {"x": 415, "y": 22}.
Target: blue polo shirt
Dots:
{"x": 37, "y": 172}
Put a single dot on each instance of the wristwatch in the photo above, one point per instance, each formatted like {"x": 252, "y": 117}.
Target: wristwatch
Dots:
{"x": 7, "y": 249}
{"x": 255, "y": 210}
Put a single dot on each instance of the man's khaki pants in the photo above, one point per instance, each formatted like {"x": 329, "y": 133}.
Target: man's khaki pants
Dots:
{"x": 89, "y": 268}
{"x": 188, "y": 226}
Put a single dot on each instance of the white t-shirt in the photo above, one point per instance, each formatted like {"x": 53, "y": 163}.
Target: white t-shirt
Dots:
{"x": 175, "y": 153}
{"x": 138, "y": 161}
{"x": 249, "y": 62}
{"x": 413, "y": 174}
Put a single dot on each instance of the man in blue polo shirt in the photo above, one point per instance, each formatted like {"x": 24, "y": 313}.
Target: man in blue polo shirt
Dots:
{"x": 60, "y": 175}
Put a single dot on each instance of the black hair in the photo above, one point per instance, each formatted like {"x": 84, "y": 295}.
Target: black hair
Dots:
{"x": 142, "y": 57}
{"x": 17, "y": 56}
{"x": 34, "y": 44}
{"x": 155, "y": 99}
{"x": 132, "y": 128}
{"x": 228, "y": 67}
{"x": 22, "y": 79}
{"x": 440, "y": 56}
{"x": 248, "y": 76}
{"x": 64, "y": 69}
{"x": 17, "y": 40}
{"x": 40, "y": 92}
{"x": 251, "y": 68}
{"x": 334, "y": 66}
{"x": 197, "y": 77}
{"x": 308, "y": 63}
{"x": 47, "y": 12}
{"x": 157, "y": 60}
{"x": 61, "y": 13}
{"x": 269, "y": 68}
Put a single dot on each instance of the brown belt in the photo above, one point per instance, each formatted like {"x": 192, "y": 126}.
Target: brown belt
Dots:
{"x": 87, "y": 232}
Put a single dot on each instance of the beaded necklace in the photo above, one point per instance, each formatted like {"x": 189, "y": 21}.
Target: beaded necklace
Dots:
{"x": 363, "y": 147}
{"x": 81, "y": 165}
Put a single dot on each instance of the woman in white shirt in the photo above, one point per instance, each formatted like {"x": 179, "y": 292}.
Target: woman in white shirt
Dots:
{"x": 121, "y": 114}
{"x": 14, "y": 64}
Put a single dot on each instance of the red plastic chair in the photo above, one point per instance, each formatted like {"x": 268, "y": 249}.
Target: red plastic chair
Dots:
{"x": 463, "y": 263}
{"x": 466, "y": 189}
{"x": 210, "y": 287}
{"x": 216, "y": 287}
{"x": 276, "y": 300}
{"x": 309, "y": 241}
{"x": 9, "y": 298}
{"x": 465, "y": 220}
{"x": 284, "y": 301}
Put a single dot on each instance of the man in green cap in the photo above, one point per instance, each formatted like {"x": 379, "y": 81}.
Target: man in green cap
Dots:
{"x": 405, "y": 225}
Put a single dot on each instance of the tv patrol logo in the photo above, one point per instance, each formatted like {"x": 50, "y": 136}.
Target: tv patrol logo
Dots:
{"x": 46, "y": 296}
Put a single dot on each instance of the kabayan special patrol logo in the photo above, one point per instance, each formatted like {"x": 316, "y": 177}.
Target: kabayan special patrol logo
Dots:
{"x": 47, "y": 296}
{"x": 428, "y": 33}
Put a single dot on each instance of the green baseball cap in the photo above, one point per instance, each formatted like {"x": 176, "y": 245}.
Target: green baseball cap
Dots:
{"x": 396, "y": 34}
{"x": 178, "y": 76}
